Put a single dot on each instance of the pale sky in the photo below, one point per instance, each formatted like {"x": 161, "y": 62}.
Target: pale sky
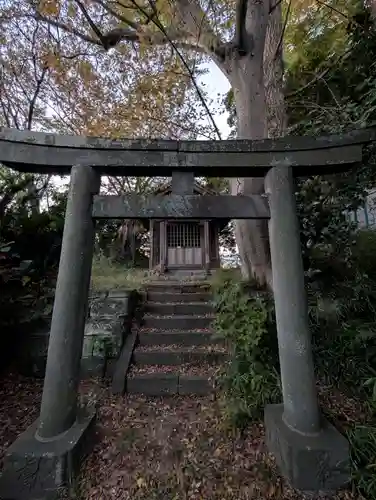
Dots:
{"x": 216, "y": 82}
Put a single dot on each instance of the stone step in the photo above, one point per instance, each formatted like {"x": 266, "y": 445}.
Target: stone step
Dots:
{"x": 176, "y": 322}
{"x": 177, "y": 355}
{"x": 180, "y": 309}
{"x": 167, "y": 297}
{"x": 185, "y": 276}
{"x": 170, "y": 380}
{"x": 176, "y": 287}
{"x": 186, "y": 338}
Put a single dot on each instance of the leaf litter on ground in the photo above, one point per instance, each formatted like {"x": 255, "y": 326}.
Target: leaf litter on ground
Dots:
{"x": 171, "y": 448}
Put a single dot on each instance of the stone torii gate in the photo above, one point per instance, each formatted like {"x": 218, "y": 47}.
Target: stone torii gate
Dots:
{"x": 310, "y": 452}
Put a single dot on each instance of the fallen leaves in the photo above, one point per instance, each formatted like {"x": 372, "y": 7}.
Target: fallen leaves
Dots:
{"x": 176, "y": 448}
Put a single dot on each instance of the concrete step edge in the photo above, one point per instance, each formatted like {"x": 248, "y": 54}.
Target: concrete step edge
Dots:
{"x": 155, "y": 303}
{"x": 178, "y": 316}
{"x": 168, "y": 384}
{"x": 177, "y": 358}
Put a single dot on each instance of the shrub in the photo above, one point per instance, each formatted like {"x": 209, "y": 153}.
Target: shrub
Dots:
{"x": 364, "y": 253}
{"x": 363, "y": 459}
{"x": 244, "y": 319}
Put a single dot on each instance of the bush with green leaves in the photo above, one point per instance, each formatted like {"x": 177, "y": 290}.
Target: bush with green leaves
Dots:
{"x": 245, "y": 321}
{"x": 363, "y": 459}
{"x": 343, "y": 318}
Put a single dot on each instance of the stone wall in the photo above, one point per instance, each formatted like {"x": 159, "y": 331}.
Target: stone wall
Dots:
{"x": 109, "y": 320}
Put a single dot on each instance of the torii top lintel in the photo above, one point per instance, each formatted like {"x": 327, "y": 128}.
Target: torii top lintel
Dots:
{"x": 55, "y": 154}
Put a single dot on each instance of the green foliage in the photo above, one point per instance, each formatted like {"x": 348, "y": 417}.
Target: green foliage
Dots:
{"x": 244, "y": 319}
{"x": 363, "y": 458}
{"x": 325, "y": 229}
{"x": 343, "y": 318}
{"x": 364, "y": 253}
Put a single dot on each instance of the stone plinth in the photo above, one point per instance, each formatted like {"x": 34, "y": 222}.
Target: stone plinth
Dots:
{"x": 319, "y": 462}
{"x": 39, "y": 470}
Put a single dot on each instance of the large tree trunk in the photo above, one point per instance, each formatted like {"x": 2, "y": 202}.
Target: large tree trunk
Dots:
{"x": 257, "y": 80}
{"x": 273, "y": 75}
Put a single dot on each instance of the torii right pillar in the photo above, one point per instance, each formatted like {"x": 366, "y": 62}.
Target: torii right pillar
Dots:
{"x": 309, "y": 451}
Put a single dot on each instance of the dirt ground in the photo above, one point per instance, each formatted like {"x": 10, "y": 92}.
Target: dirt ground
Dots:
{"x": 177, "y": 448}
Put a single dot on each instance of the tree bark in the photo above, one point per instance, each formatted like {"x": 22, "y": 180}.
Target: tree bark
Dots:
{"x": 273, "y": 74}
{"x": 257, "y": 80}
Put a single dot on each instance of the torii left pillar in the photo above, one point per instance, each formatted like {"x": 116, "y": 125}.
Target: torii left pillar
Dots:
{"x": 44, "y": 460}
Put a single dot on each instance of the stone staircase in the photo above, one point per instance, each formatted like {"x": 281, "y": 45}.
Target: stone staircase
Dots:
{"x": 176, "y": 352}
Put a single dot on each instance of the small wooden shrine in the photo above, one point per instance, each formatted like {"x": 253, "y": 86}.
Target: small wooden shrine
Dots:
{"x": 185, "y": 245}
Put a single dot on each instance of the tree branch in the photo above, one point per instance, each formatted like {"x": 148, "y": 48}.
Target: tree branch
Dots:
{"x": 35, "y": 97}
{"x": 201, "y": 97}
{"x": 273, "y": 7}
{"x": 68, "y": 29}
{"x": 241, "y": 11}
{"x": 279, "y": 46}
{"x": 93, "y": 26}
{"x": 192, "y": 21}
{"x": 122, "y": 18}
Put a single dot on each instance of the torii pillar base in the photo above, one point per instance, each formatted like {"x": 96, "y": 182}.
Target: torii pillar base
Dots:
{"x": 46, "y": 470}
{"x": 311, "y": 463}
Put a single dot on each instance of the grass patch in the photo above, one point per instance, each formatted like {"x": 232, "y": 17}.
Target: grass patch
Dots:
{"x": 108, "y": 275}
{"x": 363, "y": 458}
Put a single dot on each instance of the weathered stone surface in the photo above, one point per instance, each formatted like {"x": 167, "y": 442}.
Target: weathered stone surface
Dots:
{"x": 106, "y": 330}
{"x": 48, "y": 153}
{"x": 103, "y": 337}
{"x": 155, "y": 384}
{"x": 123, "y": 363}
{"x": 177, "y": 322}
{"x": 182, "y": 182}
{"x": 168, "y": 297}
{"x": 179, "y": 308}
{"x": 109, "y": 307}
{"x": 42, "y": 470}
{"x": 182, "y": 338}
{"x": 176, "y": 358}
{"x": 93, "y": 366}
{"x": 177, "y": 288}
{"x": 176, "y": 206}
{"x": 59, "y": 398}
{"x": 194, "y": 385}
{"x": 289, "y": 143}
{"x": 291, "y": 308}
{"x": 310, "y": 462}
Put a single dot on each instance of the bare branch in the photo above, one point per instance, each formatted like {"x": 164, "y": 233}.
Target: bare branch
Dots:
{"x": 68, "y": 29}
{"x": 122, "y": 18}
{"x": 193, "y": 21}
{"x": 93, "y": 26}
{"x": 35, "y": 97}
{"x": 273, "y": 7}
{"x": 342, "y": 14}
{"x": 279, "y": 46}
{"x": 201, "y": 97}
